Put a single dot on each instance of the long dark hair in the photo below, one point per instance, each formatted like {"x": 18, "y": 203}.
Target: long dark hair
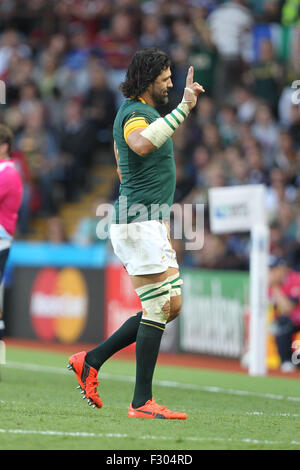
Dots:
{"x": 146, "y": 65}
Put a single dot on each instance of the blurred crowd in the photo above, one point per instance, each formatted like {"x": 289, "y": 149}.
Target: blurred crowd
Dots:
{"x": 62, "y": 62}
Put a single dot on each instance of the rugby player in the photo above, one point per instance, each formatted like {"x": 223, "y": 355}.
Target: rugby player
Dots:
{"x": 140, "y": 237}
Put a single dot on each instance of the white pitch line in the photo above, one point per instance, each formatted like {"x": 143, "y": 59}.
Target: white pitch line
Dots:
{"x": 279, "y": 415}
{"x": 162, "y": 383}
{"x": 147, "y": 437}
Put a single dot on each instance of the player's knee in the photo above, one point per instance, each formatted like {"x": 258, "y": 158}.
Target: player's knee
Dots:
{"x": 155, "y": 299}
{"x": 176, "y": 299}
{"x": 175, "y": 310}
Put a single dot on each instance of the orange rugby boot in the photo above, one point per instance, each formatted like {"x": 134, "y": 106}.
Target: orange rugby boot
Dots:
{"x": 86, "y": 377}
{"x": 152, "y": 410}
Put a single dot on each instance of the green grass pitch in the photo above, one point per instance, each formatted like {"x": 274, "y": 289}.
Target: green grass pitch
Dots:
{"x": 40, "y": 408}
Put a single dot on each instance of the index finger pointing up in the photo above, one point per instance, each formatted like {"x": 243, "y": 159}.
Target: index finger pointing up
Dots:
{"x": 190, "y": 76}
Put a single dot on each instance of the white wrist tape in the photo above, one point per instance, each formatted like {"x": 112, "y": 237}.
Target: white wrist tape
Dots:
{"x": 188, "y": 101}
{"x": 159, "y": 131}
{"x": 190, "y": 90}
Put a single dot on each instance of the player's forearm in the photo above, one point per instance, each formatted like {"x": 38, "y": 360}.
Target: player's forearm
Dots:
{"x": 151, "y": 138}
{"x": 159, "y": 131}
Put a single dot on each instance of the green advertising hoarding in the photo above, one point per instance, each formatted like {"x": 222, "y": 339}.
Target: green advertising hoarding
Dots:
{"x": 214, "y": 305}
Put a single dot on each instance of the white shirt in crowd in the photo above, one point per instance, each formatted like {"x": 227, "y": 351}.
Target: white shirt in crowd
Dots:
{"x": 230, "y": 26}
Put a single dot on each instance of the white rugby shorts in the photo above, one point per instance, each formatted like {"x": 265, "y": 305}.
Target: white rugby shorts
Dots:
{"x": 143, "y": 247}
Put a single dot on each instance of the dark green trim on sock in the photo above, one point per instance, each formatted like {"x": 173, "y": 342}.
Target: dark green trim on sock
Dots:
{"x": 160, "y": 326}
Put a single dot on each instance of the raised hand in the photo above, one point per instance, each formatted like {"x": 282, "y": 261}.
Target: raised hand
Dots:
{"x": 192, "y": 89}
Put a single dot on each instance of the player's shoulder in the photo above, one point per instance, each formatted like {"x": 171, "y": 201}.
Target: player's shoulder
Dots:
{"x": 136, "y": 108}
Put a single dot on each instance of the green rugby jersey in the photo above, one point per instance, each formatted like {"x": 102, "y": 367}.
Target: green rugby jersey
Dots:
{"x": 149, "y": 180}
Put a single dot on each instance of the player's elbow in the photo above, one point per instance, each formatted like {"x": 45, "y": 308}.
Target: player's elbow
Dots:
{"x": 140, "y": 145}
{"x": 142, "y": 149}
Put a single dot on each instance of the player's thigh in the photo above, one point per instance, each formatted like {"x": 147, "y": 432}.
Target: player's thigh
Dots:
{"x": 145, "y": 279}
{"x": 175, "y": 307}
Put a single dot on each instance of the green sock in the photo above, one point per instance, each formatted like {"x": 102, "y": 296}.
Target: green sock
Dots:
{"x": 147, "y": 347}
{"x": 121, "y": 338}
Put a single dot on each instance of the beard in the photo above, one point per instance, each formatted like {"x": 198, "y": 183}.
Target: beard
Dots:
{"x": 160, "y": 98}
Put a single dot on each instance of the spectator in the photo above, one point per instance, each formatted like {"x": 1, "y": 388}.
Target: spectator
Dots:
{"x": 11, "y": 46}
{"x": 293, "y": 251}
{"x": 117, "y": 45}
{"x": 265, "y": 131}
{"x": 42, "y": 157}
{"x": 153, "y": 33}
{"x": 228, "y": 126}
{"x": 203, "y": 52}
{"x": 55, "y": 230}
{"x": 201, "y": 158}
{"x": 276, "y": 241}
{"x": 257, "y": 173}
{"x": 77, "y": 143}
{"x": 29, "y": 97}
{"x": 287, "y": 220}
{"x": 86, "y": 229}
{"x": 184, "y": 182}
{"x": 271, "y": 11}
{"x": 290, "y": 12}
{"x": 233, "y": 21}
{"x": 246, "y": 104}
{"x": 284, "y": 295}
{"x": 100, "y": 104}
{"x": 47, "y": 74}
{"x": 266, "y": 75}
{"x": 211, "y": 138}
{"x": 72, "y": 77}
{"x": 294, "y": 127}
{"x": 216, "y": 175}
{"x": 214, "y": 254}
{"x": 286, "y": 156}
{"x": 205, "y": 111}
{"x": 278, "y": 192}
{"x": 57, "y": 46}
{"x": 239, "y": 173}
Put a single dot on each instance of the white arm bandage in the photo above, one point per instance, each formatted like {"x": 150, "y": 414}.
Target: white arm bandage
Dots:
{"x": 162, "y": 128}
